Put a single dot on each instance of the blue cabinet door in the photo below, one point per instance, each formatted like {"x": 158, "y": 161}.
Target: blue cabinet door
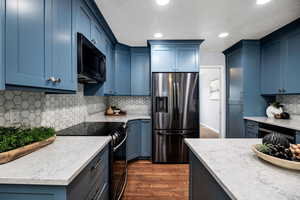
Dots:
{"x": 122, "y": 70}
{"x": 110, "y": 70}
{"x": 84, "y": 19}
{"x": 2, "y": 28}
{"x": 163, "y": 59}
{"x": 235, "y": 123}
{"x": 134, "y": 140}
{"x": 187, "y": 59}
{"x": 26, "y": 39}
{"x": 146, "y": 139}
{"x": 140, "y": 72}
{"x": 60, "y": 51}
{"x": 291, "y": 69}
{"x": 97, "y": 37}
{"x": 271, "y": 79}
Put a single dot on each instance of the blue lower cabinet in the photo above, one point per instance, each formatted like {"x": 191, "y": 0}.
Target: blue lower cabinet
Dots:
{"x": 133, "y": 140}
{"x": 298, "y": 137}
{"x": 251, "y": 129}
{"x": 146, "y": 139}
{"x": 122, "y": 70}
{"x": 139, "y": 142}
{"x": 202, "y": 184}
{"x": 92, "y": 181}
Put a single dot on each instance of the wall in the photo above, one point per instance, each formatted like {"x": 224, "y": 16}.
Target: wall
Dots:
{"x": 209, "y": 109}
{"x": 39, "y": 109}
{"x": 212, "y": 59}
{"x": 291, "y": 103}
{"x": 133, "y": 105}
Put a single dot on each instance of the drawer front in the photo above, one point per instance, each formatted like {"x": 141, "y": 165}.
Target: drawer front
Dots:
{"x": 94, "y": 176}
{"x": 252, "y": 125}
{"x": 251, "y": 134}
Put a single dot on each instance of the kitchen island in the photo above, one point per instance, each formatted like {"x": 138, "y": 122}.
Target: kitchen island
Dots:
{"x": 228, "y": 169}
{"x": 68, "y": 169}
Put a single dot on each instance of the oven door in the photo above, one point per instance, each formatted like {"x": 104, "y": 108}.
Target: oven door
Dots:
{"x": 119, "y": 171}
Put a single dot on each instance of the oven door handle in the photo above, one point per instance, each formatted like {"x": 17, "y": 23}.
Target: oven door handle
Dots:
{"x": 124, "y": 140}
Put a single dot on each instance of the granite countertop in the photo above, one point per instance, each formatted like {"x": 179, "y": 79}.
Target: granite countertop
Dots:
{"x": 287, "y": 123}
{"x": 56, "y": 164}
{"x": 241, "y": 174}
{"x": 100, "y": 117}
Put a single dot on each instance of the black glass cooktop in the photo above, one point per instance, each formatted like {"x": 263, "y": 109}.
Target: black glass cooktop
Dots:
{"x": 91, "y": 129}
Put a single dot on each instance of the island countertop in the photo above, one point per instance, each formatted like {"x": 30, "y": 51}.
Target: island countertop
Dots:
{"x": 241, "y": 174}
{"x": 56, "y": 164}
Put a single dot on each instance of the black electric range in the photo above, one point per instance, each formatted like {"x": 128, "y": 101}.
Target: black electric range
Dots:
{"x": 118, "y": 151}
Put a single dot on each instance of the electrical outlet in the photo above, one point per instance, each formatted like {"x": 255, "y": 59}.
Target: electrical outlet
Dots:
{"x": 14, "y": 116}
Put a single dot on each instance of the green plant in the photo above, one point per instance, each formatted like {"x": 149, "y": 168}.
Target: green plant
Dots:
{"x": 15, "y": 137}
{"x": 264, "y": 148}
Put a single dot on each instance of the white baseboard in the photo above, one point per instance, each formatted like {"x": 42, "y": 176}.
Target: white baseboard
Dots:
{"x": 205, "y": 125}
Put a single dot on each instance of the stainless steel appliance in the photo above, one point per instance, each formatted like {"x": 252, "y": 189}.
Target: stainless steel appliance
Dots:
{"x": 175, "y": 115}
{"x": 91, "y": 63}
{"x": 118, "y": 133}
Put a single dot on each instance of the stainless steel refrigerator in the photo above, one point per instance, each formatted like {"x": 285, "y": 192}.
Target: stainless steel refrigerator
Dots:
{"x": 175, "y": 115}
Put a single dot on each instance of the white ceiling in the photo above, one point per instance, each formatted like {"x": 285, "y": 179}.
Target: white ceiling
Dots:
{"x": 135, "y": 21}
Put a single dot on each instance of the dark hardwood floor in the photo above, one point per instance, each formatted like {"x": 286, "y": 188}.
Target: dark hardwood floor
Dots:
{"x": 147, "y": 181}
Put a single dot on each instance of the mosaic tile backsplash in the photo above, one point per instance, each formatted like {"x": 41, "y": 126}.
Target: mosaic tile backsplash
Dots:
{"x": 55, "y": 110}
{"x": 133, "y": 105}
{"x": 291, "y": 103}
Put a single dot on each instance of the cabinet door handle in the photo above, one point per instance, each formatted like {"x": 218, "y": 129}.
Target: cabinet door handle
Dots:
{"x": 94, "y": 41}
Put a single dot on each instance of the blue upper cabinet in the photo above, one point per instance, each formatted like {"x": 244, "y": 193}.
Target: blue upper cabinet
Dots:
{"x": 27, "y": 63}
{"x": 61, "y": 50}
{"x": 291, "y": 70}
{"x": 2, "y": 33}
{"x": 271, "y": 82}
{"x": 163, "y": 59}
{"x": 122, "y": 70}
{"x": 175, "y": 55}
{"x": 109, "y": 85}
{"x": 280, "y": 61}
{"x": 187, "y": 58}
{"x": 84, "y": 19}
{"x": 140, "y": 71}
{"x": 98, "y": 37}
{"x": 39, "y": 45}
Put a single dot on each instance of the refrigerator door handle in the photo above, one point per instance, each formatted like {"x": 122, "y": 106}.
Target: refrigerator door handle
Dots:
{"x": 177, "y": 100}
{"x": 168, "y": 133}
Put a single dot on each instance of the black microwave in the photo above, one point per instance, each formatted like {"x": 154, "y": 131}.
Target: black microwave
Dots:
{"x": 91, "y": 63}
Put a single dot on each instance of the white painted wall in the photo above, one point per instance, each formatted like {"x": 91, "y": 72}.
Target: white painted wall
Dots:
{"x": 210, "y": 59}
{"x": 210, "y": 110}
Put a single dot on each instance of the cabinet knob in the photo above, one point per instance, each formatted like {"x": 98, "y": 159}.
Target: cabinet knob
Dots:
{"x": 58, "y": 80}
{"x": 51, "y": 79}
{"x": 94, "y": 41}
{"x": 279, "y": 90}
{"x": 283, "y": 90}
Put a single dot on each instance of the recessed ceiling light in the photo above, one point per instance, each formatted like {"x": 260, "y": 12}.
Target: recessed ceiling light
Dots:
{"x": 261, "y": 2}
{"x": 162, "y": 2}
{"x": 158, "y": 35}
{"x": 223, "y": 35}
